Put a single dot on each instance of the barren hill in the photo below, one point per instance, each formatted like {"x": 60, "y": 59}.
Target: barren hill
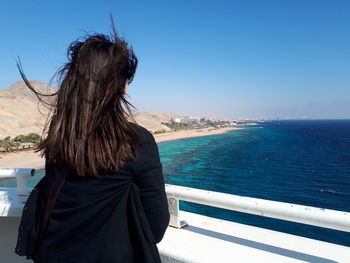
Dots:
{"x": 20, "y": 112}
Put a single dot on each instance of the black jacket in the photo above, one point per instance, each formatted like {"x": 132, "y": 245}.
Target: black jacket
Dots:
{"x": 116, "y": 217}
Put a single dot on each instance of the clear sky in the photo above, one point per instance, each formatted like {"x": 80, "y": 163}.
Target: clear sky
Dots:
{"x": 240, "y": 59}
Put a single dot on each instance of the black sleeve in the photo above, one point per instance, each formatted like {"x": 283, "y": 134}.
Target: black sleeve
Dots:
{"x": 149, "y": 178}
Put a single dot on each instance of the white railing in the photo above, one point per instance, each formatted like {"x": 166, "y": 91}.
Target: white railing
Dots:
{"x": 21, "y": 175}
{"x": 291, "y": 212}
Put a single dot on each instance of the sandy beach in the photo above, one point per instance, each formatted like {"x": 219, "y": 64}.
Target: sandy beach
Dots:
{"x": 170, "y": 136}
{"x": 30, "y": 159}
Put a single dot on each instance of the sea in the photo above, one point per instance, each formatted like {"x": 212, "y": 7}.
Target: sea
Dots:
{"x": 304, "y": 162}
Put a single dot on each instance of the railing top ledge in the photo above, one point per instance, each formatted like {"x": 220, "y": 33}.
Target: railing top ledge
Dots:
{"x": 14, "y": 172}
{"x": 321, "y": 217}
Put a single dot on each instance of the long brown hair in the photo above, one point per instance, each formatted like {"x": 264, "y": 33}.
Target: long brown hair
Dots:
{"x": 89, "y": 128}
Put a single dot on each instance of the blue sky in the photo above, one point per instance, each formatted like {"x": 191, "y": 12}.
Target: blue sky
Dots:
{"x": 240, "y": 59}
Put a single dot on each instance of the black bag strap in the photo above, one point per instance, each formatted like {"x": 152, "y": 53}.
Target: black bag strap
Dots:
{"x": 50, "y": 202}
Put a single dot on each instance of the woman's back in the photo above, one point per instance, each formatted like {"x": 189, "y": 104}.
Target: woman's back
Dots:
{"x": 114, "y": 217}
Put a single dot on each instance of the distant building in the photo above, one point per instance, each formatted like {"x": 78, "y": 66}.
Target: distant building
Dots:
{"x": 186, "y": 120}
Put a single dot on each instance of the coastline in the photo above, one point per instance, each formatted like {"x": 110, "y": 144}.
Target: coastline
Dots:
{"x": 30, "y": 159}
{"x": 183, "y": 134}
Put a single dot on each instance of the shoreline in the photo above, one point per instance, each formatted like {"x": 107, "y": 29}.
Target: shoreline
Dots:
{"x": 184, "y": 134}
{"x": 30, "y": 159}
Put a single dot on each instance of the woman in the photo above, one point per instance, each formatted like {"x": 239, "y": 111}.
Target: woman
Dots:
{"x": 111, "y": 204}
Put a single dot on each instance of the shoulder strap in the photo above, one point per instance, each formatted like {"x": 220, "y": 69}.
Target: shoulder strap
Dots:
{"x": 50, "y": 202}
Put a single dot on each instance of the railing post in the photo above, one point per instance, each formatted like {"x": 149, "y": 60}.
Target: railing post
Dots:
{"x": 21, "y": 185}
{"x": 175, "y": 221}
{"x": 21, "y": 175}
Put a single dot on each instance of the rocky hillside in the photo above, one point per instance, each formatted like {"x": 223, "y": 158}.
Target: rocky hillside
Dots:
{"x": 20, "y": 112}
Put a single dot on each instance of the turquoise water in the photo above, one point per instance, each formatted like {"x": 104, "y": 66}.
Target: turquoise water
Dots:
{"x": 32, "y": 181}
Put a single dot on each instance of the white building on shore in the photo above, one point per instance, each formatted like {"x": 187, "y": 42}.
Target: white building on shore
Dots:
{"x": 187, "y": 120}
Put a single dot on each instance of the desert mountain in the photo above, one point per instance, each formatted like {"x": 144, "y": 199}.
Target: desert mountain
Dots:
{"x": 20, "y": 112}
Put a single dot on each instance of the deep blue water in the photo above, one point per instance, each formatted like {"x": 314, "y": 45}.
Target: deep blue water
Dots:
{"x": 301, "y": 162}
